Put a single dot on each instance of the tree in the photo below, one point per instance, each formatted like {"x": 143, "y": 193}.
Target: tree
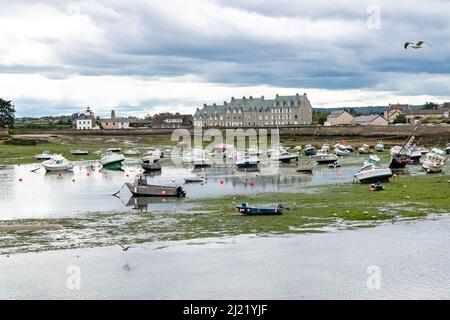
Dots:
{"x": 430, "y": 105}
{"x": 401, "y": 118}
{"x": 319, "y": 117}
{"x": 7, "y": 112}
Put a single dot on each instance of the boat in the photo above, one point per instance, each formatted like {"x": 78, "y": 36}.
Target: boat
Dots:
{"x": 424, "y": 150}
{"x": 310, "y": 150}
{"x": 297, "y": 148}
{"x": 57, "y": 163}
{"x": 283, "y": 155}
{"x": 322, "y": 157}
{"x": 247, "y": 162}
{"x": 200, "y": 177}
{"x": 370, "y": 173}
{"x": 341, "y": 150}
{"x": 447, "y": 148}
{"x": 112, "y": 160}
{"x": 154, "y": 152}
{"x": 276, "y": 149}
{"x": 131, "y": 152}
{"x": 306, "y": 167}
{"x": 364, "y": 149}
{"x": 201, "y": 162}
{"x": 325, "y": 147}
{"x": 113, "y": 150}
{"x": 435, "y": 160}
{"x": 79, "y": 152}
{"x": 401, "y": 156}
{"x": 141, "y": 188}
{"x": 43, "y": 156}
{"x": 253, "y": 211}
{"x": 379, "y": 147}
{"x": 349, "y": 148}
{"x": 415, "y": 154}
{"x": 150, "y": 163}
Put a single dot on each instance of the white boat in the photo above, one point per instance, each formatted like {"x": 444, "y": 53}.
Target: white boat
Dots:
{"x": 310, "y": 150}
{"x": 43, "y": 156}
{"x": 113, "y": 150}
{"x": 325, "y": 147}
{"x": 79, "y": 152}
{"x": 247, "y": 162}
{"x": 154, "y": 152}
{"x": 112, "y": 160}
{"x": 341, "y": 150}
{"x": 57, "y": 163}
{"x": 131, "y": 152}
{"x": 370, "y": 173}
{"x": 435, "y": 160}
{"x": 150, "y": 163}
{"x": 283, "y": 156}
{"x": 364, "y": 149}
{"x": 276, "y": 149}
{"x": 322, "y": 157}
{"x": 297, "y": 148}
{"x": 379, "y": 146}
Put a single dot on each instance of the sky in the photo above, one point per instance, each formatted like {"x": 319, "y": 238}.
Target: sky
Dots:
{"x": 140, "y": 57}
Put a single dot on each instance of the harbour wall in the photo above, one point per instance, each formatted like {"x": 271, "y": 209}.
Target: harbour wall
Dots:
{"x": 429, "y": 132}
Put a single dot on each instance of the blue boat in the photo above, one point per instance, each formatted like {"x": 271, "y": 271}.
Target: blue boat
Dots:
{"x": 251, "y": 211}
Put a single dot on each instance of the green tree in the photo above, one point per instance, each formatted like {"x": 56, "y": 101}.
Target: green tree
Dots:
{"x": 319, "y": 117}
{"x": 430, "y": 105}
{"x": 7, "y": 112}
{"x": 401, "y": 118}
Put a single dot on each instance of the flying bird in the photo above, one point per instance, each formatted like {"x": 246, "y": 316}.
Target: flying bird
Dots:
{"x": 123, "y": 247}
{"x": 415, "y": 45}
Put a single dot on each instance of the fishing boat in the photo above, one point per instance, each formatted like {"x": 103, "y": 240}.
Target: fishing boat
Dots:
{"x": 254, "y": 211}
{"x": 401, "y": 156}
{"x": 364, "y": 149}
{"x": 310, "y": 150}
{"x": 57, "y": 163}
{"x": 447, "y": 148}
{"x": 112, "y": 160}
{"x": 435, "y": 160}
{"x": 43, "y": 156}
{"x": 379, "y": 147}
{"x": 79, "y": 152}
{"x": 113, "y": 150}
{"x": 341, "y": 150}
{"x": 150, "y": 163}
{"x": 247, "y": 162}
{"x": 306, "y": 167}
{"x": 322, "y": 157}
{"x": 370, "y": 173}
{"x": 141, "y": 188}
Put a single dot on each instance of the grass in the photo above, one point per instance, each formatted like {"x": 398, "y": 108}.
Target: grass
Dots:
{"x": 346, "y": 206}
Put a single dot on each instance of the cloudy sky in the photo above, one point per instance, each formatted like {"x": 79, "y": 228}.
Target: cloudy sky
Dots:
{"x": 147, "y": 56}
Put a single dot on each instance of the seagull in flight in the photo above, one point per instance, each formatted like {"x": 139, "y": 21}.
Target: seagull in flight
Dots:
{"x": 123, "y": 247}
{"x": 416, "y": 45}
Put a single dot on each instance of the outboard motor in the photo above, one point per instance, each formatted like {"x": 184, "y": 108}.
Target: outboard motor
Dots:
{"x": 180, "y": 192}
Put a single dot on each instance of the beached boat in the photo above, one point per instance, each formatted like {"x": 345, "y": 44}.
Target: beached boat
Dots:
{"x": 322, "y": 157}
{"x": 341, "y": 150}
{"x": 150, "y": 163}
{"x": 370, "y": 173}
{"x": 254, "y": 211}
{"x": 297, "y": 148}
{"x": 435, "y": 160}
{"x": 79, "y": 152}
{"x": 247, "y": 162}
{"x": 141, "y": 188}
{"x": 364, "y": 149}
{"x": 349, "y": 148}
{"x": 112, "y": 160}
{"x": 113, "y": 150}
{"x": 131, "y": 152}
{"x": 379, "y": 147}
{"x": 154, "y": 152}
{"x": 401, "y": 156}
{"x": 44, "y": 156}
{"x": 283, "y": 156}
{"x": 306, "y": 167}
{"x": 276, "y": 149}
{"x": 57, "y": 163}
{"x": 310, "y": 150}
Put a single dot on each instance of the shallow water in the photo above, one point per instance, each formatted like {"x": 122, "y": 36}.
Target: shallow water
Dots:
{"x": 411, "y": 256}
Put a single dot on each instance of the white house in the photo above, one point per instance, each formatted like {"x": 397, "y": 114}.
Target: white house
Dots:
{"x": 337, "y": 118}
{"x": 86, "y": 120}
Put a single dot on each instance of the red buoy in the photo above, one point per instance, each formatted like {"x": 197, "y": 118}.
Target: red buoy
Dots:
{"x": 20, "y": 179}
{"x": 252, "y": 183}
{"x": 222, "y": 182}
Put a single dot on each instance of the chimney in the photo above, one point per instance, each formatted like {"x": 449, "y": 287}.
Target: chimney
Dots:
{"x": 262, "y": 97}
{"x": 232, "y": 98}
{"x": 251, "y": 97}
{"x": 204, "y": 105}
{"x": 243, "y": 98}
{"x": 113, "y": 114}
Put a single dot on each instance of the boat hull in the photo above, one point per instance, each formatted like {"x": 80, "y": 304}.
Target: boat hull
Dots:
{"x": 57, "y": 168}
{"x": 260, "y": 211}
{"x": 113, "y": 165}
{"x": 151, "y": 167}
{"x": 382, "y": 175}
{"x": 399, "y": 162}
{"x": 433, "y": 168}
{"x": 327, "y": 159}
{"x": 153, "y": 191}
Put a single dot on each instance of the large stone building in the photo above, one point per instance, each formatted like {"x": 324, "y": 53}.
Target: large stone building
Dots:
{"x": 169, "y": 120}
{"x": 256, "y": 112}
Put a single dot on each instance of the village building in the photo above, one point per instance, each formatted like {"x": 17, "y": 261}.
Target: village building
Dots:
{"x": 424, "y": 115}
{"x": 170, "y": 120}
{"x": 372, "y": 119}
{"x": 256, "y": 112}
{"x": 86, "y": 120}
{"x": 394, "y": 110}
{"x": 338, "y": 118}
{"x": 115, "y": 123}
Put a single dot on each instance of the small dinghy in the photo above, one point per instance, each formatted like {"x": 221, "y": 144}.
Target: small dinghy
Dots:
{"x": 253, "y": 211}
{"x": 79, "y": 152}
{"x": 113, "y": 150}
{"x": 141, "y": 188}
{"x": 57, "y": 163}
{"x": 379, "y": 147}
{"x": 334, "y": 165}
